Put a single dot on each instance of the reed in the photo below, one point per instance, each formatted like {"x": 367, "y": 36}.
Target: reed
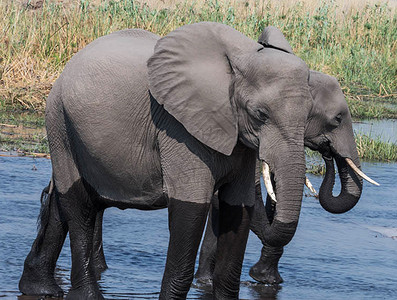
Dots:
{"x": 355, "y": 43}
{"x": 372, "y": 148}
{"x": 369, "y": 148}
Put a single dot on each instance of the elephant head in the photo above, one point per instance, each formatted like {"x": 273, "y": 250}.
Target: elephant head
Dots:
{"x": 227, "y": 89}
{"x": 329, "y": 131}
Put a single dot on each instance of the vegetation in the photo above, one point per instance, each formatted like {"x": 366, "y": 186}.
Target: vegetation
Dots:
{"x": 370, "y": 148}
{"x": 355, "y": 43}
{"x": 373, "y": 148}
{"x": 23, "y": 141}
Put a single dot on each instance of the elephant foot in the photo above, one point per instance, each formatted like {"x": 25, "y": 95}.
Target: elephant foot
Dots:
{"x": 265, "y": 273}
{"x": 203, "y": 276}
{"x": 87, "y": 292}
{"x": 266, "y": 269}
{"x": 204, "y": 282}
{"x": 39, "y": 286}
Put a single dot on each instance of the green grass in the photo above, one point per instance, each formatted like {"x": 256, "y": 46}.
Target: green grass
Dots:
{"x": 371, "y": 109}
{"x": 370, "y": 148}
{"x": 31, "y": 118}
{"x": 357, "y": 45}
{"x": 27, "y": 146}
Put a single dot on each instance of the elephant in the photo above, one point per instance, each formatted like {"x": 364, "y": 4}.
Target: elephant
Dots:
{"x": 328, "y": 131}
{"x": 189, "y": 114}
{"x": 319, "y": 136}
{"x": 135, "y": 121}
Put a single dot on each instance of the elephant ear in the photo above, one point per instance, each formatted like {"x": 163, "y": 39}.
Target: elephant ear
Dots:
{"x": 191, "y": 72}
{"x": 274, "y": 38}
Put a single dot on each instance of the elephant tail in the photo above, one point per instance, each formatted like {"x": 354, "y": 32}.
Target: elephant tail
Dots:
{"x": 46, "y": 198}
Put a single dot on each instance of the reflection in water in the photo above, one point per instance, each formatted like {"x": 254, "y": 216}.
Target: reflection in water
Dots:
{"x": 24, "y": 297}
{"x": 347, "y": 257}
{"x": 262, "y": 291}
{"x": 254, "y": 290}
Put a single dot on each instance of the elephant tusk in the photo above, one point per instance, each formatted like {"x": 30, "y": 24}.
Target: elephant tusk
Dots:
{"x": 268, "y": 182}
{"x": 359, "y": 172}
{"x": 310, "y": 187}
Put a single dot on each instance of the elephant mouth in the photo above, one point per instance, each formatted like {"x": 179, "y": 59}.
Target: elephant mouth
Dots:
{"x": 327, "y": 152}
{"x": 359, "y": 172}
{"x": 266, "y": 174}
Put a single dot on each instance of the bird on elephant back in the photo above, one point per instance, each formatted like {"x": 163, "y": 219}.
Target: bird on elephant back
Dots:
{"x": 135, "y": 121}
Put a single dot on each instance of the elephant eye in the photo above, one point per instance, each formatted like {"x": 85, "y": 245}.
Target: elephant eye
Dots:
{"x": 262, "y": 115}
{"x": 338, "y": 118}
{"x": 335, "y": 122}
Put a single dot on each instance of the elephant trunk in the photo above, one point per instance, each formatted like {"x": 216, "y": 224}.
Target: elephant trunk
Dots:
{"x": 288, "y": 179}
{"x": 351, "y": 186}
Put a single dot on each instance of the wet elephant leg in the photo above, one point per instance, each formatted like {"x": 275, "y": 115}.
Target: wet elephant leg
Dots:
{"x": 186, "y": 225}
{"x": 80, "y": 213}
{"x": 266, "y": 269}
{"x": 233, "y": 235}
{"x": 38, "y": 273}
{"x": 208, "y": 248}
{"x": 98, "y": 257}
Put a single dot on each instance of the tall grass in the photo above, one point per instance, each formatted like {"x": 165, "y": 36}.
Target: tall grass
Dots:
{"x": 369, "y": 148}
{"x": 357, "y": 44}
{"x": 374, "y": 149}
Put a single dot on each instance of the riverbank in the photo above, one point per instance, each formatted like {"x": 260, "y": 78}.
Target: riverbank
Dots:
{"x": 29, "y": 139}
{"x": 354, "y": 42}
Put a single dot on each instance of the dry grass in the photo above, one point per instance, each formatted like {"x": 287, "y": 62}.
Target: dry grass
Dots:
{"x": 355, "y": 42}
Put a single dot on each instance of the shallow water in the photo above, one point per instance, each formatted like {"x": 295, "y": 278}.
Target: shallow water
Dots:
{"x": 349, "y": 256}
{"x": 385, "y": 129}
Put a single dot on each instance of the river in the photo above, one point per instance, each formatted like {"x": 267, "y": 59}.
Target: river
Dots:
{"x": 349, "y": 256}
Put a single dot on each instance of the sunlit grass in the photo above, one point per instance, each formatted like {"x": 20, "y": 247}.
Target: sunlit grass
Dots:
{"x": 374, "y": 149}
{"x": 369, "y": 148}
{"x": 355, "y": 43}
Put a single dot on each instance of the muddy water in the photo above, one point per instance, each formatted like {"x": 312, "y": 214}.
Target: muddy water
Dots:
{"x": 349, "y": 256}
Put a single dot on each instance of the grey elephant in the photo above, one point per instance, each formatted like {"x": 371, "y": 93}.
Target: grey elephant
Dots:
{"x": 328, "y": 131}
{"x": 135, "y": 121}
{"x": 55, "y": 227}
{"x": 323, "y": 133}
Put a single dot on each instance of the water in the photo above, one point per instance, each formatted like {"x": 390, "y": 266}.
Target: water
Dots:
{"x": 385, "y": 129}
{"x": 349, "y": 256}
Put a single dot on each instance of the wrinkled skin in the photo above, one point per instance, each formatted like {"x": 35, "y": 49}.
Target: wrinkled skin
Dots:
{"x": 138, "y": 122}
{"x": 329, "y": 131}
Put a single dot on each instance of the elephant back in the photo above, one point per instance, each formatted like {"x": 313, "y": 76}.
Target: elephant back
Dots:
{"x": 102, "y": 99}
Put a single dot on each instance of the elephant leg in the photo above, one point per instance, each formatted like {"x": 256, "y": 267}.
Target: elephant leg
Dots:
{"x": 233, "y": 234}
{"x": 208, "y": 247}
{"x": 80, "y": 212}
{"x": 266, "y": 269}
{"x": 98, "y": 257}
{"x": 186, "y": 225}
{"x": 38, "y": 273}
